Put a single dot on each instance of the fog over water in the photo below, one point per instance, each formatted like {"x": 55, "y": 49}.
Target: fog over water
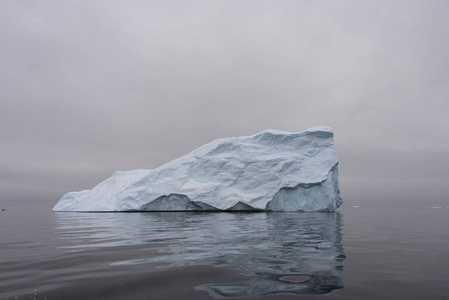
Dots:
{"x": 91, "y": 87}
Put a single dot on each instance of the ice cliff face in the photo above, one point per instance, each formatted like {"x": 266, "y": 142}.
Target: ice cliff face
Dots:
{"x": 272, "y": 170}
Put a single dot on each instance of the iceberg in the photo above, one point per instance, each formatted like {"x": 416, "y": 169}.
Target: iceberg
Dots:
{"x": 269, "y": 171}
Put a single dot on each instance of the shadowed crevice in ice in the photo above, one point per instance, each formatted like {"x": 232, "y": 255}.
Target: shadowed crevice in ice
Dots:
{"x": 205, "y": 207}
{"x": 176, "y": 202}
{"x": 172, "y": 202}
{"x": 309, "y": 197}
{"x": 240, "y": 206}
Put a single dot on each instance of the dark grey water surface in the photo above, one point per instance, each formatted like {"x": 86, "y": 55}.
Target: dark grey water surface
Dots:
{"x": 350, "y": 254}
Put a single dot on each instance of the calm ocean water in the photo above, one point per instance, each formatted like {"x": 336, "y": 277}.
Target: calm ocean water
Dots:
{"x": 350, "y": 254}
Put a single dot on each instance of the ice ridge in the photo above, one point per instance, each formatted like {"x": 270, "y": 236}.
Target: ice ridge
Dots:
{"x": 270, "y": 171}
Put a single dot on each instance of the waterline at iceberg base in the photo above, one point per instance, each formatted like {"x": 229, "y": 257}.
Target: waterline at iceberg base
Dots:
{"x": 269, "y": 171}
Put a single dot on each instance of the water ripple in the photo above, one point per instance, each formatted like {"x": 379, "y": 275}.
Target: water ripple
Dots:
{"x": 276, "y": 248}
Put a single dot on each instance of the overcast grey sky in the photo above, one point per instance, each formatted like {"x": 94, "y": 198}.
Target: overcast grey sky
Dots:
{"x": 90, "y": 87}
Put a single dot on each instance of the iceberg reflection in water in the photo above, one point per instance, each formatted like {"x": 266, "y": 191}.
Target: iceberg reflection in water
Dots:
{"x": 287, "y": 252}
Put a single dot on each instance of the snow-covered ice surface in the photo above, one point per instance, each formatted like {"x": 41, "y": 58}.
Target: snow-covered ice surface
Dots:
{"x": 272, "y": 170}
